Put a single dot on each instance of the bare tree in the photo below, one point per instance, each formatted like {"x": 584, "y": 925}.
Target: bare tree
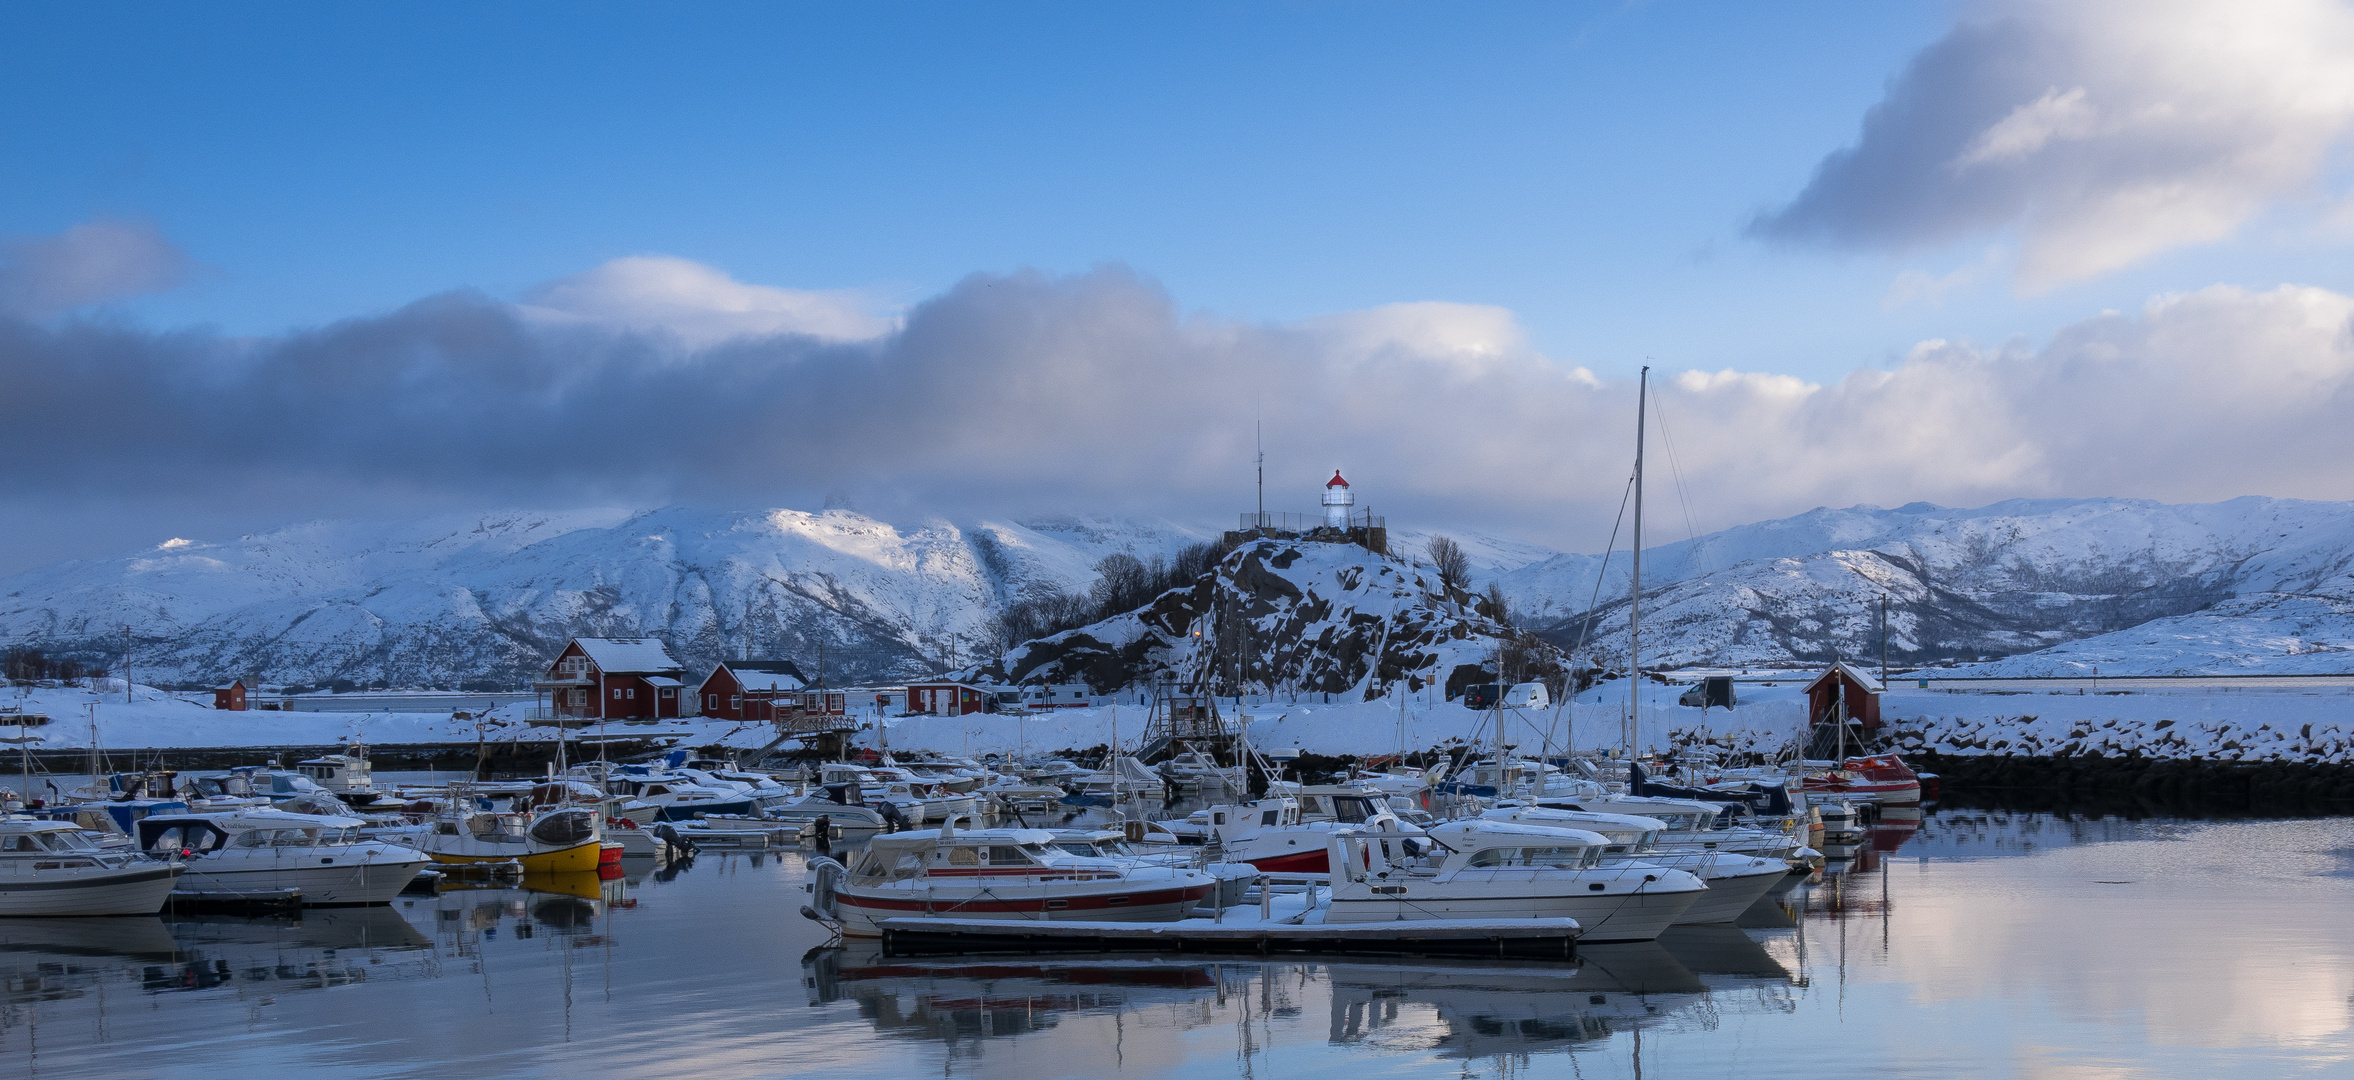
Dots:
{"x": 1451, "y": 564}
{"x": 1493, "y": 605}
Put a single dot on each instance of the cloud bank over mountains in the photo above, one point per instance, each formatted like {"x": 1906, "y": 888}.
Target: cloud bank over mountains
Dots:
{"x": 2103, "y": 132}
{"x": 1027, "y": 391}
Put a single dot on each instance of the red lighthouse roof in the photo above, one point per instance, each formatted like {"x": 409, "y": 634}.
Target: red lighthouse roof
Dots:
{"x": 1336, "y": 481}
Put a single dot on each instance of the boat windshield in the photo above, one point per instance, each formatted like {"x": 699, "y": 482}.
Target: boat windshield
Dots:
{"x": 277, "y": 838}
{"x": 1564, "y": 857}
{"x": 1351, "y": 811}
{"x": 22, "y": 842}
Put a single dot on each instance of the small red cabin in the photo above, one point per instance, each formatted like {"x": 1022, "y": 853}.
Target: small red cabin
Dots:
{"x": 946, "y": 698}
{"x": 1844, "y": 685}
{"x": 231, "y": 697}
{"x": 614, "y": 679}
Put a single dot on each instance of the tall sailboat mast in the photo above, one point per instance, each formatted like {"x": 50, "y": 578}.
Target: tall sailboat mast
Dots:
{"x": 1635, "y": 595}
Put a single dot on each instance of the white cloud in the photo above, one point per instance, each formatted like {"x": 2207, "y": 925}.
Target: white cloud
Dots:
{"x": 2104, "y": 131}
{"x": 698, "y": 304}
{"x": 1021, "y": 392}
{"x": 90, "y": 263}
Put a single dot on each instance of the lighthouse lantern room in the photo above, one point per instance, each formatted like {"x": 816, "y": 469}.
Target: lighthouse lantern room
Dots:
{"x": 1337, "y": 501}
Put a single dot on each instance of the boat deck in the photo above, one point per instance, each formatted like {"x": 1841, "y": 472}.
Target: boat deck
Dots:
{"x": 1525, "y": 939}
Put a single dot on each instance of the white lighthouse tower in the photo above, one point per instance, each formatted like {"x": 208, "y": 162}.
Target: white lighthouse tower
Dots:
{"x": 1337, "y": 501}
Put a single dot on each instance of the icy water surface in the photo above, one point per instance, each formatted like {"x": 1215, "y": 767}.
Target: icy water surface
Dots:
{"x": 1984, "y": 944}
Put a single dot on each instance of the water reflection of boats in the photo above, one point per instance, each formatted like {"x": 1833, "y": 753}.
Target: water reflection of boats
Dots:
{"x": 1459, "y": 1010}
{"x": 52, "y": 959}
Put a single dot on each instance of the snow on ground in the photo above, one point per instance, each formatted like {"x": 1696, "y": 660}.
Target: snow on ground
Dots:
{"x": 2219, "y": 723}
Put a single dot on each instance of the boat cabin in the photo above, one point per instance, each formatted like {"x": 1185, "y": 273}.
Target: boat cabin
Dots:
{"x": 970, "y": 853}
{"x": 338, "y": 773}
{"x": 1500, "y": 845}
{"x": 191, "y": 834}
{"x": 28, "y": 847}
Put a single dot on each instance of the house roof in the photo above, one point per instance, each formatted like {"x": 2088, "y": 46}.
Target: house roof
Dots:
{"x": 1336, "y": 481}
{"x": 628, "y": 655}
{"x": 1868, "y": 682}
{"x": 662, "y": 680}
{"x": 767, "y": 675}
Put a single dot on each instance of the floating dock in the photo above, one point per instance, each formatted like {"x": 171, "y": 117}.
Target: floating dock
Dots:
{"x": 1517, "y": 939}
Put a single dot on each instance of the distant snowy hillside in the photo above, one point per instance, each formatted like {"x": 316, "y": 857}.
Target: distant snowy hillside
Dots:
{"x": 487, "y": 600}
{"x": 2005, "y": 579}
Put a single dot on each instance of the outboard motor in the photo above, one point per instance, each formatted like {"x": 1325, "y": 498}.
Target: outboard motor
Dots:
{"x": 670, "y": 835}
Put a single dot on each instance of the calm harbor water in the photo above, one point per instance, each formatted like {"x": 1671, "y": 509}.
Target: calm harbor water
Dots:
{"x": 1982, "y": 944}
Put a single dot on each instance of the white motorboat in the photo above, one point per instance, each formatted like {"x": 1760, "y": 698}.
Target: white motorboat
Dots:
{"x": 51, "y": 868}
{"x": 1735, "y": 881}
{"x": 1008, "y": 874}
{"x": 841, "y": 805}
{"x": 251, "y": 853}
{"x": 564, "y": 840}
{"x": 1270, "y": 834}
{"x": 1193, "y": 770}
{"x": 1691, "y": 825}
{"x": 1505, "y": 870}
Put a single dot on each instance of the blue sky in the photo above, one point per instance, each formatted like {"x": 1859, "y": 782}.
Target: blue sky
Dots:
{"x": 1575, "y": 187}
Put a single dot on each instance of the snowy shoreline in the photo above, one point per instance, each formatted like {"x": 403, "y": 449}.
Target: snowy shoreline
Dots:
{"x": 2252, "y": 724}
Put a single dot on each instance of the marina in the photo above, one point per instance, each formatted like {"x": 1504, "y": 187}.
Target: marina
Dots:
{"x": 1985, "y": 913}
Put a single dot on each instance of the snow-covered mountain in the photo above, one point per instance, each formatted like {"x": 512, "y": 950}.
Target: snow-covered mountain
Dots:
{"x": 2000, "y": 580}
{"x": 2130, "y": 586}
{"x": 487, "y": 600}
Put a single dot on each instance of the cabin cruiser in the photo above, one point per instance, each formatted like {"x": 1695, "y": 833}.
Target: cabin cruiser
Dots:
{"x": 842, "y": 805}
{"x": 1125, "y": 780}
{"x": 1506, "y": 870}
{"x": 1193, "y": 770}
{"x": 1520, "y": 778}
{"x": 1882, "y": 778}
{"x": 248, "y": 853}
{"x": 566, "y": 840}
{"x": 939, "y": 801}
{"x": 678, "y": 796}
{"x": 1691, "y": 825}
{"x": 1012, "y": 795}
{"x": 903, "y": 797}
{"x": 956, "y": 776}
{"x": 52, "y": 868}
{"x": 1735, "y": 881}
{"x": 999, "y": 874}
{"x": 1271, "y": 835}
{"x": 1348, "y": 804}
{"x": 345, "y": 775}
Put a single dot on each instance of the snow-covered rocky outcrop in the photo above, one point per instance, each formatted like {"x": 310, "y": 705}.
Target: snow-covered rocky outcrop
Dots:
{"x": 1297, "y": 617}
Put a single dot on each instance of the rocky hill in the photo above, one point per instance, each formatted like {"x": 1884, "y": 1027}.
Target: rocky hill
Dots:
{"x": 1294, "y": 617}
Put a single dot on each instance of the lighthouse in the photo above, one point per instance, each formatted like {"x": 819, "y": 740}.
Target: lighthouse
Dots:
{"x": 1337, "y": 501}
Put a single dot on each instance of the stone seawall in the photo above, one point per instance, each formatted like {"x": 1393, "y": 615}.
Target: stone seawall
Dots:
{"x": 2140, "y": 785}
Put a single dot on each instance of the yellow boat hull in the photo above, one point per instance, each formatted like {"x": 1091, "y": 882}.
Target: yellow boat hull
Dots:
{"x": 571, "y": 860}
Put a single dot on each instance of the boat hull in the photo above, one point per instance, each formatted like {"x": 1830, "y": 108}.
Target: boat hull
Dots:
{"x": 861, "y": 911}
{"x": 1728, "y": 897}
{"x": 1605, "y": 919}
{"x": 371, "y": 882}
{"x": 132, "y": 890}
{"x": 569, "y": 860}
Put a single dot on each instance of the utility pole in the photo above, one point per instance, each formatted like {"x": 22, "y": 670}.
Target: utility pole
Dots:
{"x": 126, "y": 663}
{"x": 1883, "y": 641}
{"x": 1261, "y": 521}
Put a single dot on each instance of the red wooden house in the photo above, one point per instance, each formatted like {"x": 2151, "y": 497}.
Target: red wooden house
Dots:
{"x": 1844, "y": 685}
{"x": 767, "y": 690}
{"x": 230, "y": 698}
{"x": 947, "y": 698}
{"x": 614, "y": 679}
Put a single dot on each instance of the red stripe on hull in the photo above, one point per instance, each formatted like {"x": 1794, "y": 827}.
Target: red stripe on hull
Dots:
{"x": 1305, "y": 862}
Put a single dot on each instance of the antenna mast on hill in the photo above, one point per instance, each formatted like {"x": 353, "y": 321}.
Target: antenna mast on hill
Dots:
{"x": 1262, "y": 521}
